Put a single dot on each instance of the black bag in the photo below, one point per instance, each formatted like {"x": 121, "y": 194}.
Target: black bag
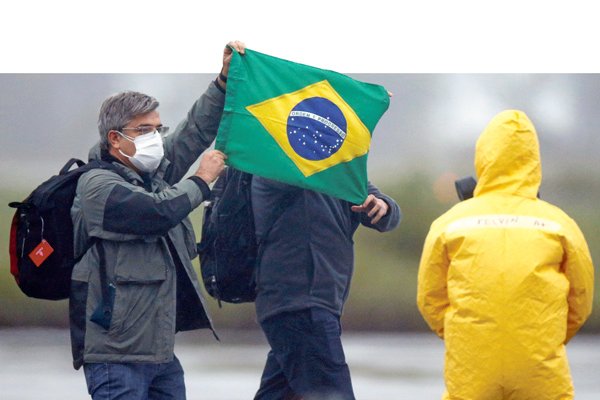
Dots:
{"x": 41, "y": 234}
{"x": 228, "y": 249}
{"x": 465, "y": 187}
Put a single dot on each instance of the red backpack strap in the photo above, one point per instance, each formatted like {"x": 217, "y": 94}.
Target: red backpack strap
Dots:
{"x": 12, "y": 248}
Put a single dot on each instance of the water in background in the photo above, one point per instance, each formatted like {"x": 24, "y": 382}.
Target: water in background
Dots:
{"x": 37, "y": 365}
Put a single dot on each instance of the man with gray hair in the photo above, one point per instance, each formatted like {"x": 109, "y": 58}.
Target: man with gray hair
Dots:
{"x": 134, "y": 286}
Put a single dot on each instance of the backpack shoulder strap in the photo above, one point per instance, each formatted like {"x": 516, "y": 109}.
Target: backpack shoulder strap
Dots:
{"x": 94, "y": 164}
{"x": 103, "y": 315}
{"x": 69, "y": 164}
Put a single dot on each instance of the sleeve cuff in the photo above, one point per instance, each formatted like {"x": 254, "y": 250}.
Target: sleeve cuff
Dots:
{"x": 219, "y": 86}
{"x": 394, "y": 214}
{"x": 203, "y": 186}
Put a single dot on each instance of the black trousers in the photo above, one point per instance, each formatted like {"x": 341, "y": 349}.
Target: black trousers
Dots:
{"x": 306, "y": 360}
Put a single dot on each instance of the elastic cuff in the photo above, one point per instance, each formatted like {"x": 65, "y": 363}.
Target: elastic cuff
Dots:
{"x": 202, "y": 185}
{"x": 219, "y": 86}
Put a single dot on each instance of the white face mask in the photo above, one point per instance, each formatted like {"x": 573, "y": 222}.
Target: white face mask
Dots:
{"x": 148, "y": 151}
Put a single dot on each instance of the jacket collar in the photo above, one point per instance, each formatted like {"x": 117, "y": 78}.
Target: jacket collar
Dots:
{"x": 96, "y": 153}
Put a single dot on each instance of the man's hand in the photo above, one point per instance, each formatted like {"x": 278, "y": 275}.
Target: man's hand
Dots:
{"x": 236, "y": 45}
{"x": 374, "y": 207}
{"x": 211, "y": 165}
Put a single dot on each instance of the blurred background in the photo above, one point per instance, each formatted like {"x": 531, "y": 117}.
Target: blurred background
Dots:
{"x": 423, "y": 143}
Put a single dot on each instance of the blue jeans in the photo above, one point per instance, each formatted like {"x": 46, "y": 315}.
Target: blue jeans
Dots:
{"x": 135, "y": 381}
{"x": 306, "y": 360}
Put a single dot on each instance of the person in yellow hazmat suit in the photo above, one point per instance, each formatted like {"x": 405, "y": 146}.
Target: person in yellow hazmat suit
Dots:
{"x": 505, "y": 278}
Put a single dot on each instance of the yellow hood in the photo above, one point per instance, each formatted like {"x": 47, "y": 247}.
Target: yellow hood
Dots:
{"x": 507, "y": 156}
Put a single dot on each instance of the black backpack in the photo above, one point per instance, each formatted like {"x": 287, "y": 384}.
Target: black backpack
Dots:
{"x": 228, "y": 248}
{"x": 41, "y": 234}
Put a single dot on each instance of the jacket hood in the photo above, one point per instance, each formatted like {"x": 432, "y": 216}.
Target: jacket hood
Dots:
{"x": 95, "y": 153}
{"x": 507, "y": 156}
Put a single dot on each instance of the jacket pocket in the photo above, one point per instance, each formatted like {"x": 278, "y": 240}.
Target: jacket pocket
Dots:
{"x": 139, "y": 274}
{"x": 138, "y": 311}
{"x": 141, "y": 262}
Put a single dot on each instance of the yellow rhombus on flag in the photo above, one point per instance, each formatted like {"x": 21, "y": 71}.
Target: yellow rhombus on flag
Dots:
{"x": 274, "y": 113}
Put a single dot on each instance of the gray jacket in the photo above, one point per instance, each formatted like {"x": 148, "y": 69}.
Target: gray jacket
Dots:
{"x": 308, "y": 253}
{"x": 141, "y": 221}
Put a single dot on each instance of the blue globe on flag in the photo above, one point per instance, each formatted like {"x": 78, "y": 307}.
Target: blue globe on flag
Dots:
{"x": 316, "y": 128}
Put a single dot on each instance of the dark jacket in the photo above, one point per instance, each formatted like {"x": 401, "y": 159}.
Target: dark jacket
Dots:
{"x": 308, "y": 257}
{"x": 141, "y": 222}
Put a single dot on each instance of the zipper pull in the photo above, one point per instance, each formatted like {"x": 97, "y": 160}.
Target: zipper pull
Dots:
{"x": 215, "y": 290}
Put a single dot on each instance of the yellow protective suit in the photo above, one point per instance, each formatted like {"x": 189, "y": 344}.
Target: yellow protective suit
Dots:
{"x": 506, "y": 279}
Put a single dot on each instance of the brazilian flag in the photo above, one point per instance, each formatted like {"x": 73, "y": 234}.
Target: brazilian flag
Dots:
{"x": 300, "y": 125}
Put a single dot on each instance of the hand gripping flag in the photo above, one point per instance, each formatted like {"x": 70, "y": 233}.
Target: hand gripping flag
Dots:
{"x": 300, "y": 125}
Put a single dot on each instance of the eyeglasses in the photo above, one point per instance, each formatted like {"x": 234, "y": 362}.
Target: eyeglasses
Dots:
{"x": 142, "y": 130}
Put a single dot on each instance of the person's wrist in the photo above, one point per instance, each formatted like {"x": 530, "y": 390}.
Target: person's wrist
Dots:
{"x": 202, "y": 185}
{"x": 222, "y": 83}
{"x": 205, "y": 178}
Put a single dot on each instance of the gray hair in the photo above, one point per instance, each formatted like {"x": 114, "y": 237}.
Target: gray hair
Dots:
{"x": 119, "y": 109}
